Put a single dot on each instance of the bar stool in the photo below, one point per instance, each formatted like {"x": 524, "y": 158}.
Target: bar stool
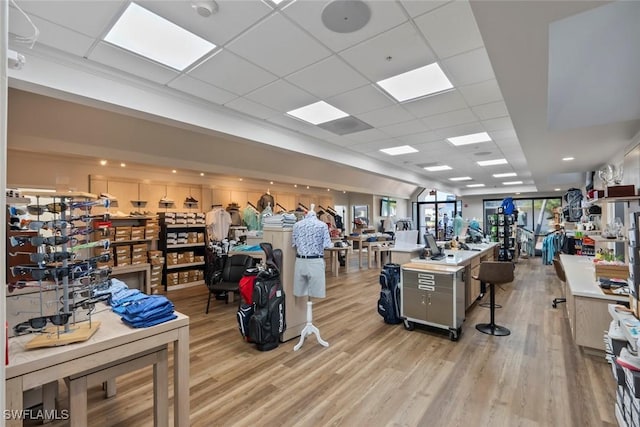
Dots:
{"x": 557, "y": 265}
{"x": 494, "y": 273}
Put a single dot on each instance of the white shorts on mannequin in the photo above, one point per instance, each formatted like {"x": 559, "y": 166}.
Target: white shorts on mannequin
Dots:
{"x": 308, "y": 278}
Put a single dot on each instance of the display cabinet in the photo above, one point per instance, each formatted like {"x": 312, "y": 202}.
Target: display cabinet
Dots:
{"x": 182, "y": 242}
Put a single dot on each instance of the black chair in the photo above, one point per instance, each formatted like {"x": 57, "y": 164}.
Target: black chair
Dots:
{"x": 557, "y": 265}
{"x": 232, "y": 272}
{"x": 494, "y": 273}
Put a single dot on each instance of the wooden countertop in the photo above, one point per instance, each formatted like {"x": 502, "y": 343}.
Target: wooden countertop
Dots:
{"x": 437, "y": 268}
{"x": 459, "y": 257}
{"x": 581, "y": 278}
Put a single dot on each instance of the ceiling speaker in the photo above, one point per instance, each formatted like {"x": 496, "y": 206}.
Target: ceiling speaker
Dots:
{"x": 346, "y": 16}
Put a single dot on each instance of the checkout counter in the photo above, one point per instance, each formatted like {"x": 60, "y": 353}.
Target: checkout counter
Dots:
{"x": 470, "y": 260}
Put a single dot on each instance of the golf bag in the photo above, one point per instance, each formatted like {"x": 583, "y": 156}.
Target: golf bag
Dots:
{"x": 389, "y": 301}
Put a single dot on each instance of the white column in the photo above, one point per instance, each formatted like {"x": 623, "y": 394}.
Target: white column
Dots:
{"x": 4, "y": 45}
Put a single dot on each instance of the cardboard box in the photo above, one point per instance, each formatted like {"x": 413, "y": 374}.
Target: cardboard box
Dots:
{"x": 153, "y": 254}
{"x": 157, "y": 261}
{"x": 122, "y": 250}
{"x": 612, "y": 271}
{"x": 139, "y": 249}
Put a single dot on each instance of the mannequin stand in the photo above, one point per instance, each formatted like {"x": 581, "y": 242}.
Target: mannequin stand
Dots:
{"x": 309, "y": 329}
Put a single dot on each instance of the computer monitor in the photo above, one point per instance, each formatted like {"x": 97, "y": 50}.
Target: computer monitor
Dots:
{"x": 436, "y": 252}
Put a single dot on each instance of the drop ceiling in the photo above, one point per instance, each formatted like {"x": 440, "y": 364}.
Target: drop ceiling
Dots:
{"x": 272, "y": 59}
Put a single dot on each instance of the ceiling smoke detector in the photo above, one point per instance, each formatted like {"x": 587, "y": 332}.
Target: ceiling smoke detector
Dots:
{"x": 205, "y": 8}
{"x": 346, "y": 16}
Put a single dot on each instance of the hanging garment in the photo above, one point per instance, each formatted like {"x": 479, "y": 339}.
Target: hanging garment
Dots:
{"x": 265, "y": 200}
{"x": 218, "y": 222}
{"x": 251, "y": 218}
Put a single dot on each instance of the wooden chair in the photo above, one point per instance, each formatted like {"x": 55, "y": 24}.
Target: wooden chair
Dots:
{"x": 494, "y": 273}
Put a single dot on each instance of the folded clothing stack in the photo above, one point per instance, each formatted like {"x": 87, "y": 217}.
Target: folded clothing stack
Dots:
{"x": 149, "y": 311}
{"x": 284, "y": 220}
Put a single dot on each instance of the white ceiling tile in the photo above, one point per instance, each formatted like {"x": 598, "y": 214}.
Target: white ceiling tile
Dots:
{"x": 202, "y": 90}
{"x": 307, "y": 13}
{"x": 385, "y": 116}
{"x": 233, "y": 17}
{"x": 282, "y": 96}
{"x": 120, "y": 59}
{"x": 502, "y": 134}
{"x": 464, "y": 129}
{"x": 449, "y": 119}
{"x": 367, "y": 136}
{"x": 436, "y": 104}
{"x": 394, "y": 52}
{"x": 328, "y": 77}
{"x": 297, "y": 125}
{"x": 375, "y": 146}
{"x": 470, "y": 67}
{"x": 52, "y": 35}
{"x": 481, "y": 93}
{"x": 491, "y": 110}
{"x": 419, "y": 138}
{"x": 230, "y": 72}
{"x": 418, "y": 7}
{"x": 252, "y": 108}
{"x": 450, "y": 29}
{"x": 87, "y": 17}
{"x": 405, "y": 128}
{"x": 361, "y": 100}
{"x": 501, "y": 123}
{"x": 278, "y": 46}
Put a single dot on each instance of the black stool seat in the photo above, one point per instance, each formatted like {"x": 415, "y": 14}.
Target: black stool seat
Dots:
{"x": 494, "y": 273}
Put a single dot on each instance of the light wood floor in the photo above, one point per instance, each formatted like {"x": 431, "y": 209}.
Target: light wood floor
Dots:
{"x": 375, "y": 374}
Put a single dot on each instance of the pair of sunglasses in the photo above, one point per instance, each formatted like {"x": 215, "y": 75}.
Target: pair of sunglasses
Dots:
{"x": 89, "y": 303}
{"x": 40, "y": 258}
{"x": 89, "y": 204}
{"x": 21, "y": 285}
{"x": 39, "y": 240}
{"x": 38, "y": 323}
{"x": 36, "y": 225}
{"x": 104, "y": 243}
{"x": 51, "y": 207}
{"x": 89, "y": 218}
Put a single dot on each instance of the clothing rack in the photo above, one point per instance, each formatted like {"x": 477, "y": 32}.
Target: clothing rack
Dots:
{"x": 251, "y": 204}
{"x": 281, "y": 207}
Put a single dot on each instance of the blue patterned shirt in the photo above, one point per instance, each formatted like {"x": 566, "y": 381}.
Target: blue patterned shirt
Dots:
{"x": 311, "y": 236}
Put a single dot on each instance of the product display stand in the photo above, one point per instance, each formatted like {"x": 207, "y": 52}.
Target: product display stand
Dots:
{"x": 310, "y": 329}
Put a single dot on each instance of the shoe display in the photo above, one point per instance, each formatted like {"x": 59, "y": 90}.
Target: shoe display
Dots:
{"x": 166, "y": 201}
{"x": 190, "y": 199}
{"x": 108, "y": 196}
{"x": 628, "y": 360}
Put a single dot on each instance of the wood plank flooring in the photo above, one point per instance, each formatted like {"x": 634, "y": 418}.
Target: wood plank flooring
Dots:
{"x": 374, "y": 374}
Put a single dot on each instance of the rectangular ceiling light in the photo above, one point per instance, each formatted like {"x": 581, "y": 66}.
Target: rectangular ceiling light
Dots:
{"x": 568, "y": 159}
{"x": 437, "y": 168}
{"x": 473, "y": 138}
{"x": 413, "y": 84}
{"x": 492, "y": 162}
{"x": 401, "y": 149}
{"x": 147, "y": 34}
{"x": 512, "y": 183}
{"x": 319, "y": 112}
{"x": 475, "y": 185}
{"x": 461, "y": 178}
{"x": 504, "y": 175}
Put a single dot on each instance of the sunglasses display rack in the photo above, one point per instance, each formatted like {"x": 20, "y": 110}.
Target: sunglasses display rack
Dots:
{"x": 52, "y": 293}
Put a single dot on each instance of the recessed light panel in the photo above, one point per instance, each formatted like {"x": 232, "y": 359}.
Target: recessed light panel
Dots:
{"x": 437, "y": 168}
{"x": 512, "y": 183}
{"x": 461, "y": 178}
{"x": 147, "y": 34}
{"x": 473, "y": 138}
{"x": 475, "y": 185}
{"x": 504, "y": 175}
{"x": 319, "y": 112}
{"x": 492, "y": 162}
{"x": 568, "y": 159}
{"x": 413, "y": 84}
{"x": 401, "y": 149}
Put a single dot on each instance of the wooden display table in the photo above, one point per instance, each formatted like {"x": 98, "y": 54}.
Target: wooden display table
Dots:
{"x": 113, "y": 350}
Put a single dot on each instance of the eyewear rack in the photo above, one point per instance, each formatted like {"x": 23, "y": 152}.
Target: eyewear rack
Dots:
{"x": 72, "y": 277}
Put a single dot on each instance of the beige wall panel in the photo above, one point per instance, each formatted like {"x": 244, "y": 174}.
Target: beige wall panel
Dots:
{"x": 220, "y": 197}
{"x": 288, "y": 201}
{"x": 239, "y": 197}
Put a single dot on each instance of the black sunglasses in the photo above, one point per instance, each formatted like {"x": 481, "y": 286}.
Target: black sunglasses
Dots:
{"x": 35, "y": 225}
{"x": 39, "y": 240}
{"x": 51, "y": 207}
{"x": 88, "y": 303}
{"x": 38, "y": 323}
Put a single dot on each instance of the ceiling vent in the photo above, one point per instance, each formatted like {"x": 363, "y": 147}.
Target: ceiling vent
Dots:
{"x": 345, "y": 125}
{"x": 346, "y": 16}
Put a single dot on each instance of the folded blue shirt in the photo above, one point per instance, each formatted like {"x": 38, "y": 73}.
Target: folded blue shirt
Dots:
{"x": 150, "y": 322}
